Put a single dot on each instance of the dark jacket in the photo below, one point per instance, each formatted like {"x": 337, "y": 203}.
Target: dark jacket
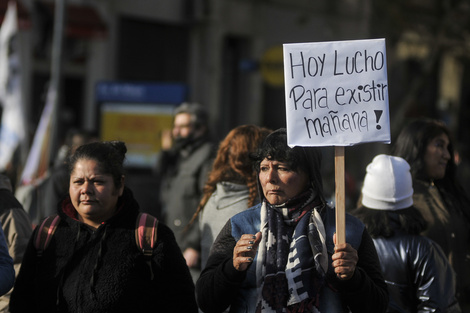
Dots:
{"x": 449, "y": 226}
{"x": 221, "y": 285}
{"x": 418, "y": 275}
{"x": 101, "y": 270}
{"x": 183, "y": 174}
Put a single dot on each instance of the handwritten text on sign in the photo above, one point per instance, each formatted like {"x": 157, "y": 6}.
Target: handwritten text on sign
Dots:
{"x": 336, "y": 93}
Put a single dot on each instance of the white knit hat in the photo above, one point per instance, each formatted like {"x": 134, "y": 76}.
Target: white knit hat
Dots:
{"x": 388, "y": 184}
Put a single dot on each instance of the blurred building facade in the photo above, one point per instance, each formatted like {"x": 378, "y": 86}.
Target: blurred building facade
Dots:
{"x": 229, "y": 55}
{"x": 217, "y": 48}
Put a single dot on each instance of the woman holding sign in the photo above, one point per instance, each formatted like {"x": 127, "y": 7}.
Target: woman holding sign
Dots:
{"x": 281, "y": 256}
{"x": 426, "y": 145}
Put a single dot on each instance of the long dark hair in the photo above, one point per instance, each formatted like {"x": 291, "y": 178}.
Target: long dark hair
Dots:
{"x": 384, "y": 223}
{"x": 413, "y": 140}
{"x": 411, "y": 145}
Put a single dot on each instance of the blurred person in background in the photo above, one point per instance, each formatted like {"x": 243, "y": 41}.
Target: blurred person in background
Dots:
{"x": 182, "y": 171}
{"x": 416, "y": 270}
{"x": 232, "y": 184}
{"x": 56, "y": 186}
{"x": 17, "y": 229}
{"x": 427, "y": 146}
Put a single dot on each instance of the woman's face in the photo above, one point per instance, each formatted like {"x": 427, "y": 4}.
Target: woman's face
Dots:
{"x": 437, "y": 156}
{"x": 93, "y": 193}
{"x": 279, "y": 182}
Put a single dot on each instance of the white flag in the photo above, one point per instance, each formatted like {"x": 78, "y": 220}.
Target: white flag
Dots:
{"x": 37, "y": 162}
{"x": 13, "y": 125}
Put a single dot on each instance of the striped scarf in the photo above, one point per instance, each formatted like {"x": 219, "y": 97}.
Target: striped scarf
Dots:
{"x": 292, "y": 257}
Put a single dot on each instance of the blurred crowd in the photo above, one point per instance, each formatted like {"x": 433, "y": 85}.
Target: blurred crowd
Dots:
{"x": 241, "y": 225}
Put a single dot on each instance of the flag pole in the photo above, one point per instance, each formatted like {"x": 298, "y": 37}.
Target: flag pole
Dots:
{"x": 56, "y": 73}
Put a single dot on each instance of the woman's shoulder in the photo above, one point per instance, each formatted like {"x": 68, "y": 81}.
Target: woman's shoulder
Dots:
{"x": 421, "y": 187}
{"x": 248, "y": 214}
{"x": 422, "y": 245}
{"x": 409, "y": 242}
{"x": 246, "y": 222}
{"x": 164, "y": 231}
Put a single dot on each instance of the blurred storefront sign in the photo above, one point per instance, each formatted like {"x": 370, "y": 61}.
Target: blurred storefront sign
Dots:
{"x": 138, "y": 113}
{"x": 272, "y": 66}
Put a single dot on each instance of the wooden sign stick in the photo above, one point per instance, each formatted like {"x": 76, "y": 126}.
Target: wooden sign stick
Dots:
{"x": 340, "y": 195}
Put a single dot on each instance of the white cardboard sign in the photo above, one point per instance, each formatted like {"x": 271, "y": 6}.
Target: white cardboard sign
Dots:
{"x": 336, "y": 93}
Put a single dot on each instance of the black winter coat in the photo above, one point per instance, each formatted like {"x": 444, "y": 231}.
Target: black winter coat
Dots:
{"x": 417, "y": 273}
{"x": 101, "y": 270}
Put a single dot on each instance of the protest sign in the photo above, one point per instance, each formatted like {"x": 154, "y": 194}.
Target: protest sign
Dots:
{"x": 336, "y": 93}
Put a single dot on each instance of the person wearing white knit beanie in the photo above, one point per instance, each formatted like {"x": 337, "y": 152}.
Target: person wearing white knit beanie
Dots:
{"x": 416, "y": 270}
{"x": 388, "y": 184}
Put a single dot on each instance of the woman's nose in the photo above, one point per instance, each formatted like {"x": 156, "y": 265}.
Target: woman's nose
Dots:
{"x": 271, "y": 175}
{"x": 85, "y": 188}
{"x": 446, "y": 154}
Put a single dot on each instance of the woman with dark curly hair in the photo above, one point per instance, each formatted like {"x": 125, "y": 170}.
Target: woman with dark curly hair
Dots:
{"x": 281, "y": 255}
{"x": 427, "y": 146}
{"x": 418, "y": 275}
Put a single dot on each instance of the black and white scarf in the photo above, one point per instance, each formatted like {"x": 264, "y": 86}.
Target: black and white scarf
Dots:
{"x": 292, "y": 257}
